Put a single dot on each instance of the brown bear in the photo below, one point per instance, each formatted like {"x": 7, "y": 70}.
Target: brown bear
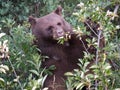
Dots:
{"x": 47, "y": 30}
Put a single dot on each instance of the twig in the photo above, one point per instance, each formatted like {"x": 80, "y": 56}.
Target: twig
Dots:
{"x": 91, "y": 29}
{"x": 115, "y": 11}
{"x": 113, "y": 82}
{"x": 97, "y": 54}
{"x": 98, "y": 45}
{"x": 84, "y": 45}
{"x": 15, "y": 74}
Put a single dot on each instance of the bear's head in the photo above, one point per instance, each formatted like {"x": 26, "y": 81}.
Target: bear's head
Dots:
{"x": 51, "y": 26}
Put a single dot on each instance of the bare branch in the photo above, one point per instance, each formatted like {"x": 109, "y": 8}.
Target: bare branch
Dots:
{"x": 91, "y": 29}
{"x": 15, "y": 74}
{"x": 84, "y": 45}
{"x": 97, "y": 54}
{"x": 98, "y": 46}
{"x": 115, "y": 11}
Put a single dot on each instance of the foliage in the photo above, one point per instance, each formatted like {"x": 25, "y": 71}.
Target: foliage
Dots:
{"x": 100, "y": 78}
{"x": 3, "y": 54}
{"x": 20, "y": 63}
{"x": 23, "y": 61}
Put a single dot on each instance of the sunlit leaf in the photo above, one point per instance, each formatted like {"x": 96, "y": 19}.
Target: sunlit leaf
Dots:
{"x": 2, "y": 34}
{"x": 107, "y": 67}
{"x": 45, "y": 89}
{"x": 5, "y": 67}
{"x": 69, "y": 74}
{"x": 2, "y": 70}
{"x": 94, "y": 67}
{"x": 43, "y": 80}
{"x": 82, "y": 75}
{"x": 80, "y": 86}
{"x": 16, "y": 79}
{"x": 34, "y": 88}
{"x": 1, "y": 79}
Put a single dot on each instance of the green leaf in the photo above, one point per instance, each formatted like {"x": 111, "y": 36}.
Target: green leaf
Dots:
{"x": 86, "y": 64}
{"x": 34, "y": 88}
{"x": 31, "y": 62}
{"x": 117, "y": 89}
{"x": 44, "y": 78}
{"x": 4, "y": 67}
{"x": 94, "y": 67}
{"x": 2, "y": 34}
{"x": 80, "y": 86}
{"x": 45, "y": 89}
{"x": 69, "y": 74}
{"x": 1, "y": 79}
{"x": 107, "y": 67}
{"x": 2, "y": 70}
{"x": 82, "y": 75}
{"x": 34, "y": 72}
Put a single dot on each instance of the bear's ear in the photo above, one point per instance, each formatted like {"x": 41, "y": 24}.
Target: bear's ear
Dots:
{"x": 58, "y": 10}
{"x": 32, "y": 20}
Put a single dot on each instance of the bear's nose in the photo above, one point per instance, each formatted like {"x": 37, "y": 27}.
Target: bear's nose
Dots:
{"x": 60, "y": 33}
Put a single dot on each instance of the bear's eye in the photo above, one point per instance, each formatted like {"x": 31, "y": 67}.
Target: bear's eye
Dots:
{"x": 59, "y": 23}
{"x": 50, "y": 28}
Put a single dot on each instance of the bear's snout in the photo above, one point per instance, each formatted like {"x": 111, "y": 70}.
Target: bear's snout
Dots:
{"x": 60, "y": 33}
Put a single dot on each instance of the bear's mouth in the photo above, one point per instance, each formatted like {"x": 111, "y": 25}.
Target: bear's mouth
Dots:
{"x": 64, "y": 38}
